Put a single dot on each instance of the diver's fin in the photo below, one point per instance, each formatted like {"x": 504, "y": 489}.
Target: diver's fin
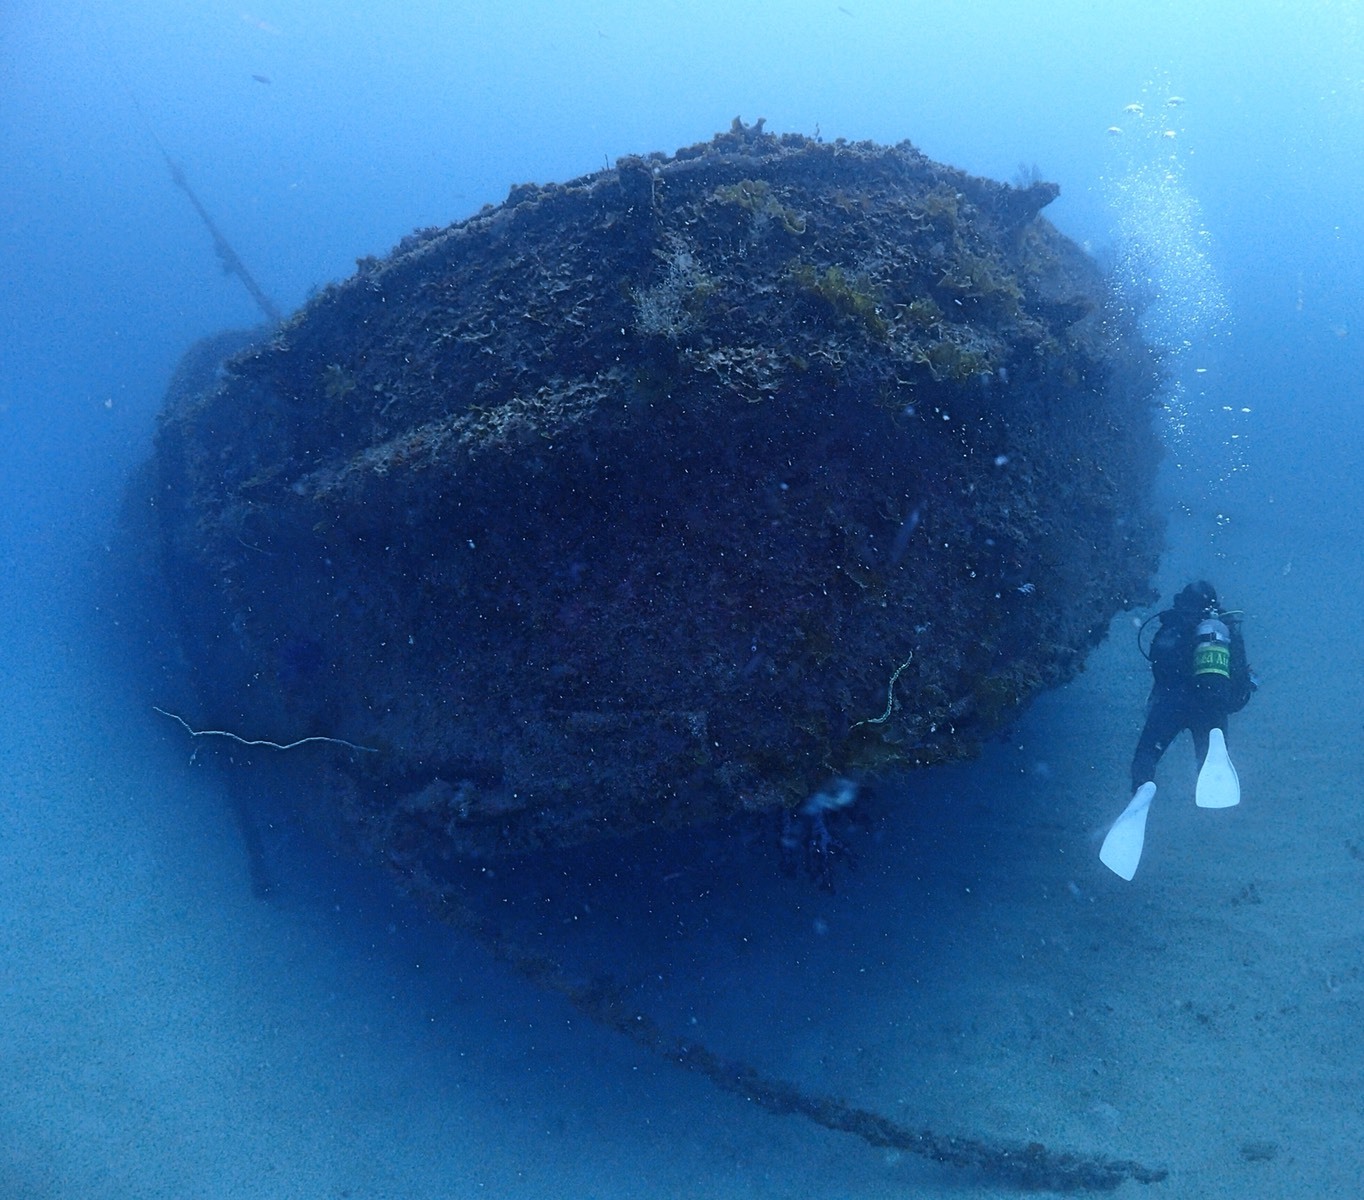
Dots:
{"x": 1121, "y": 851}
{"x": 1218, "y": 786}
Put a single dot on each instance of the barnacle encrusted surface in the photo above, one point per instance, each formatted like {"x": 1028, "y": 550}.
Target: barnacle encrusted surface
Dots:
{"x": 619, "y": 503}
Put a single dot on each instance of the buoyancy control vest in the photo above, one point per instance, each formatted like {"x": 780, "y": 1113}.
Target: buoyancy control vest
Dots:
{"x": 1203, "y": 655}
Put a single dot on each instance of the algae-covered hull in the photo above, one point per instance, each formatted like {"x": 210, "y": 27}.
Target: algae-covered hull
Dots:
{"x": 619, "y": 504}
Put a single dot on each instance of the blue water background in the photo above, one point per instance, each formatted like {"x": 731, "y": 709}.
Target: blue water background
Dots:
{"x": 164, "y": 1033}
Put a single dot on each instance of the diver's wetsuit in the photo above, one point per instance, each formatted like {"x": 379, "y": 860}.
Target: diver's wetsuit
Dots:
{"x": 1177, "y": 702}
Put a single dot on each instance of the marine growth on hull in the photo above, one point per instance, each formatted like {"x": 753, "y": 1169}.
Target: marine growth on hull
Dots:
{"x": 677, "y": 490}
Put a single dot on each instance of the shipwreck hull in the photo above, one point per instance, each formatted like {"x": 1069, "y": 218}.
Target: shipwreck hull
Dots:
{"x": 619, "y": 505}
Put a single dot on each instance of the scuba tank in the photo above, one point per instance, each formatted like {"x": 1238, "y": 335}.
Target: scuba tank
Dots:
{"x": 1212, "y": 648}
{"x": 1212, "y": 658}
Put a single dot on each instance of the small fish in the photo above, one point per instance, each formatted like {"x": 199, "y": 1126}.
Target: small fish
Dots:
{"x": 1175, "y": 101}
{"x": 263, "y": 26}
{"x": 1113, "y": 131}
{"x": 1135, "y": 109}
{"x": 261, "y": 78}
{"x": 903, "y": 534}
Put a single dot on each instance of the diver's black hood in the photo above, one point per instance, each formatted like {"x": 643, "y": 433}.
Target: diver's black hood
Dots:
{"x": 1196, "y": 599}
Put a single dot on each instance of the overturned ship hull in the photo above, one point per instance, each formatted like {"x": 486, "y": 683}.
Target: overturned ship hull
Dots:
{"x": 667, "y": 493}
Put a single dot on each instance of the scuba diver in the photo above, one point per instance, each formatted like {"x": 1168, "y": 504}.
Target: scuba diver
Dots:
{"x": 1198, "y": 660}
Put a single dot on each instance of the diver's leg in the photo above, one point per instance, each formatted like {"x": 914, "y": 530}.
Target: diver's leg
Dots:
{"x": 1163, "y": 724}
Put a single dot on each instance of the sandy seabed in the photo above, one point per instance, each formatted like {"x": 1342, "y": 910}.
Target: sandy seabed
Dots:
{"x": 165, "y": 1033}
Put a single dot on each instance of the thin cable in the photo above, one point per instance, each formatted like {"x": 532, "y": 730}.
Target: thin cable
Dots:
{"x": 232, "y": 263}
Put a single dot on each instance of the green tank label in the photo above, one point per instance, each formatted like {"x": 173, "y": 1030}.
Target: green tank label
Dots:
{"x": 1212, "y": 659}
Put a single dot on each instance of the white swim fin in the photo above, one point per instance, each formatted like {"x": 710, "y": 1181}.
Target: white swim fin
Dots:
{"x": 1218, "y": 785}
{"x": 1121, "y": 851}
